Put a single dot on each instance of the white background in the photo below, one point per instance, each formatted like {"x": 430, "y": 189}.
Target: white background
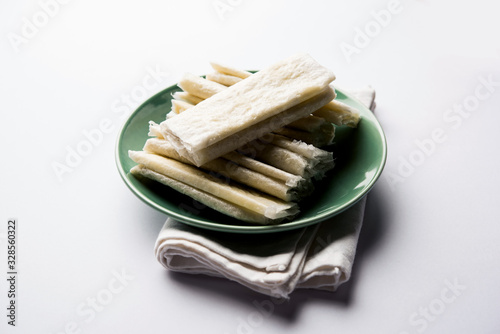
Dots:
{"x": 432, "y": 219}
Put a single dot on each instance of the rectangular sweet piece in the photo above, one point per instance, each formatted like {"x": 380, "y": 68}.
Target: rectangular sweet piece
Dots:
{"x": 229, "y": 70}
{"x": 207, "y": 199}
{"x": 223, "y": 79}
{"x": 234, "y": 171}
{"x": 257, "y": 202}
{"x": 185, "y": 96}
{"x": 199, "y": 86}
{"x": 247, "y": 134}
{"x": 179, "y": 106}
{"x": 290, "y": 179}
{"x": 339, "y": 114}
{"x": 249, "y": 102}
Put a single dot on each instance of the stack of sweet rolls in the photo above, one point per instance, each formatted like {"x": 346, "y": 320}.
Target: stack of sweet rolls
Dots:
{"x": 248, "y": 145}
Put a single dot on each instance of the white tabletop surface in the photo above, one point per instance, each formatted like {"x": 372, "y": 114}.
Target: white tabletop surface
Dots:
{"x": 428, "y": 256}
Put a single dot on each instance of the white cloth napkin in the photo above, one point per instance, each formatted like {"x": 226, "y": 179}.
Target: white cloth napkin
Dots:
{"x": 319, "y": 256}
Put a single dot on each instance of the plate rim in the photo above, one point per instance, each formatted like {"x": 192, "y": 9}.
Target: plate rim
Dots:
{"x": 247, "y": 229}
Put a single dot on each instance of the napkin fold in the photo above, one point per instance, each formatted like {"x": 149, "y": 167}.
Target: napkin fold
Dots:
{"x": 318, "y": 256}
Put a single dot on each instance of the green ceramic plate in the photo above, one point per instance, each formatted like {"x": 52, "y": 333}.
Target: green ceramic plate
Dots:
{"x": 359, "y": 153}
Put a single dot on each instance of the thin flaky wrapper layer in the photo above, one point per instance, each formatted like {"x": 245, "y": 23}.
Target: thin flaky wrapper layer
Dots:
{"x": 231, "y": 170}
{"x": 223, "y": 79}
{"x": 229, "y": 70}
{"x": 339, "y": 114}
{"x": 251, "y": 101}
{"x": 291, "y": 156}
{"x": 321, "y": 138}
{"x": 249, "y": 133}
{"x": 257, "y": 202}
{"x": 186, "y": 97}
{"x": 207, "y": 199}
{"x": 199, "y": 87}
{"x": 308, "y": 151}
{"x": 290, "y": 180}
